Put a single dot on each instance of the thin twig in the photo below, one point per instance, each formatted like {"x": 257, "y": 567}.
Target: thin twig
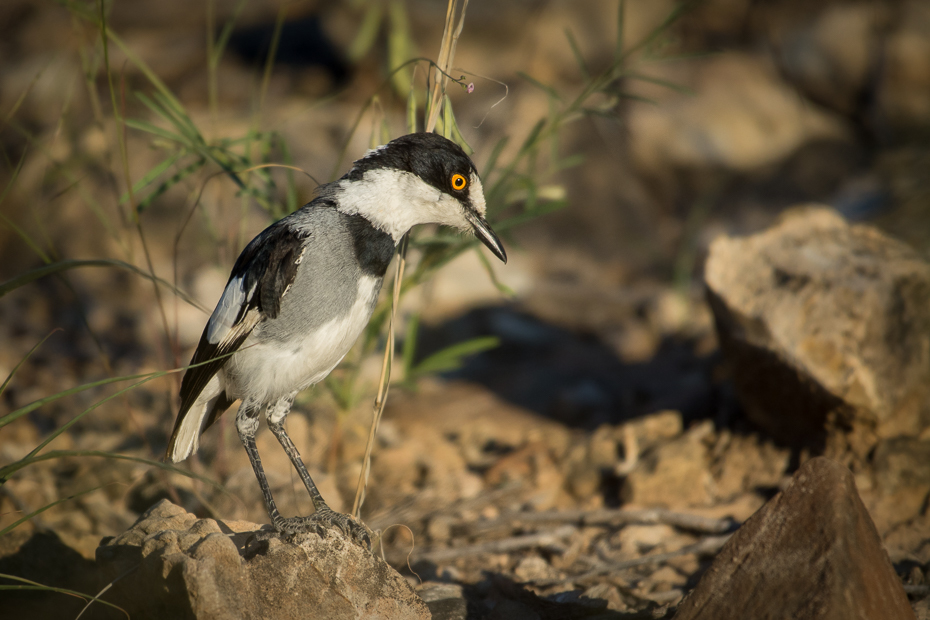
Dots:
{"x": 707, "y": 546}
{"x": 506, "y": 545}
{"x": 431, "y": 505}
{"x": 615, "y": 516}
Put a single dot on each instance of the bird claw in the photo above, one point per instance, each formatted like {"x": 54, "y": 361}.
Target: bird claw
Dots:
{"x": 321, "y": 522}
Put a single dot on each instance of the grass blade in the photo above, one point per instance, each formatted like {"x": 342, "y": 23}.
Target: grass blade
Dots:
{"x": 579, "y": 57}
{"x": 26, "y": 409}
{"x": 65, "y": 265}
{"x": 32, "y": 585}
{"x": 26, "y": 357}
{"x": 151, "y": 175}
{"x": 450, "y": 358}
{"x": 39, "y": 511}
{"x": 158, "y": 131}
{"x": 8, "y": 470}
{"x": 61, "y": 429}
{"x": 549, "y": 90}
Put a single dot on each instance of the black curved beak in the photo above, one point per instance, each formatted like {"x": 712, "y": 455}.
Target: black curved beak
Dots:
{"x": 486, "y": 235}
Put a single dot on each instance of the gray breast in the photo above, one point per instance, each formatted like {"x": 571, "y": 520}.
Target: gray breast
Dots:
{"x": 337, "y": 252}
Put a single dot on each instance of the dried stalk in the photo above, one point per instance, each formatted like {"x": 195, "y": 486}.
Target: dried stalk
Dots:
{"x": 444, "y": 62}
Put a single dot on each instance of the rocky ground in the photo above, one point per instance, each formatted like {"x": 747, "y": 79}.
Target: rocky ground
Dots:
{"x": 681, "y": 342}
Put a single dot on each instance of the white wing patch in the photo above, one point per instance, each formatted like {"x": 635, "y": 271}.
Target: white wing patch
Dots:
{"x": 226, "y": 311}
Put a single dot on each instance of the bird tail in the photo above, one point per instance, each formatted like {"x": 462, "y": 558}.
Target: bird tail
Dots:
{"x": 192, "y": 421}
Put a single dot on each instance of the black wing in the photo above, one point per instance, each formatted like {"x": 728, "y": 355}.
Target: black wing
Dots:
{"x": 258, "y": 282}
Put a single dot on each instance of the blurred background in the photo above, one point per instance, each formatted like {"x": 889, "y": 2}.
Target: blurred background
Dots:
{"x": 616, "y": 140}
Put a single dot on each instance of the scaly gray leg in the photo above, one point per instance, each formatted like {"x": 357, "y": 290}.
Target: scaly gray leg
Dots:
{"x": 323, "y": 515}
{"x": 247, "y": 426}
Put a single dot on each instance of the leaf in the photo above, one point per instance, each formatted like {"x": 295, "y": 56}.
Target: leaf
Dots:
{"x": 579, "y": 58}
{"x": 500, "y": 286}
{"x": 158, "y": 131}
{"x": 679, "y": 88}
{"x": 621, "y": 22}
{"x": 170, "y": 182}
{"x": 219, "y": 46}
{"x": 151, "y": 175}
{"x": 450, "y": 358}
{"x": 494, "y": 156}
{"x": 412, "y": 109}
{"x": 457, "y": 136}
{"x": 399, "y": 43}
{"x": 409, "y": 349}
{"x": 549, "y": 90}
{"x": 367, "y": 32}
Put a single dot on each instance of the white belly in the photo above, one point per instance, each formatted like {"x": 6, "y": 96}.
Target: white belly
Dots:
{"x": 267, "y": 371}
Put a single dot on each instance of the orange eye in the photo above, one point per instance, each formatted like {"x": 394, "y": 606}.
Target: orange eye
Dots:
{"x": 459, "y": 182}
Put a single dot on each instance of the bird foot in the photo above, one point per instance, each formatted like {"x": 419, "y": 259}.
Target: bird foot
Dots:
{"x": 320, "y": 522}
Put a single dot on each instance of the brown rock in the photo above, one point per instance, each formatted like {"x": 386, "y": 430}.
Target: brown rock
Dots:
{"x": 830, "y": 56}
{"x": 446, "y": 601}
{"x": 674, "y": 474}
{"x": 904, "y": 91}
{"x": 900, "y": 478}
{"x": 827, "y": 329}
{"x": 41, "y": 557}
{"x": 810, "y": 552}
{"x": 172, "y": 565}
{"x": 746, "y": 462}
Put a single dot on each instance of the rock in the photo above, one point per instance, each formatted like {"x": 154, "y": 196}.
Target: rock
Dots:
{"x": 811, "y": 552}
{"x": 830, "y": 57}
{"x": 655, "y": 428}
{"x": 903, "y": 95}
{"x": 636, "y": 540}
{"x": 172, "y": 565}
{"x": 745, "y": 462}
{"x": 741, "y": 116}
{"x": 826, "y": 327}
{"x": 534, "y": 568}
{"x": 446, "y": 601}
{"x": 900, "y": 478}
{"x": 42, "y": 557}
{"x": 674, "y": 474}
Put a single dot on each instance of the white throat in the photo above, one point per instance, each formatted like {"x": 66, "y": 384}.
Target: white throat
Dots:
{"x": 396, "y": 201}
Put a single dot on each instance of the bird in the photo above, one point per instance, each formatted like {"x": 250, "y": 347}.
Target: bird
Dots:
{"x": 303, "y": 290}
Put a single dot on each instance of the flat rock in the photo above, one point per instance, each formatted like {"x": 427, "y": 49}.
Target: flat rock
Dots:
{"x": 811, "y": 552}
{"x": 826, "y": 327}
{"x": 172, "y": 565}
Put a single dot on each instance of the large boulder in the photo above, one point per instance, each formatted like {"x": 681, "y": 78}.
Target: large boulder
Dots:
{"x": 811, "y": 553}
{"x": 826, "y": 326}
{"x": 171, "y": 564}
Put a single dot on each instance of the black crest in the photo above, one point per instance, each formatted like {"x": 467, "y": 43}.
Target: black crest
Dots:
{"x": 427, "y": 155}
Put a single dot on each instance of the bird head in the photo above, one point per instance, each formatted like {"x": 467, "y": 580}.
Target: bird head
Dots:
{"x": 420, "y": 178}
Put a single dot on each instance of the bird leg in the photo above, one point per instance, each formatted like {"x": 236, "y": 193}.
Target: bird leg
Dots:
{"x": 323, "y": 515}
{"x": 247, "y": 426}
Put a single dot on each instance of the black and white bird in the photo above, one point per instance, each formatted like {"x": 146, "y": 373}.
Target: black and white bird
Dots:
{"x": 303, "y": 290}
